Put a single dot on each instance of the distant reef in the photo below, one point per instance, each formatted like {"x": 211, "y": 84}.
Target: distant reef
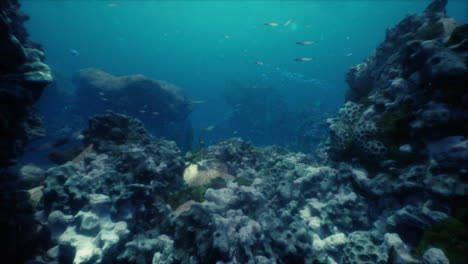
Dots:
{"x": 23, "y": 76}
{"x": 134, "y": 94}
{"x": 389, "y": 187}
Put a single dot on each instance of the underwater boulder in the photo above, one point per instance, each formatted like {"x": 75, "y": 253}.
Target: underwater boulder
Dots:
{"x": 133, "y": 94}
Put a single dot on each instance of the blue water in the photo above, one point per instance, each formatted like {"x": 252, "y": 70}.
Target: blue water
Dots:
{"x": 184, "y": 42}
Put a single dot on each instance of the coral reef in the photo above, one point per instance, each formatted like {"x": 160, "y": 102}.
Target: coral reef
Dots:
{"x": 409, "y": 93}
{"x": 233, "y": 203}
{"x": 390, "y": 187}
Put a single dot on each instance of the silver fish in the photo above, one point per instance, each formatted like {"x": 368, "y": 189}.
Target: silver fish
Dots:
{"x": 306, "y": 42}
{"x": 303, "y": 59}
{"x": 289, "y": 21}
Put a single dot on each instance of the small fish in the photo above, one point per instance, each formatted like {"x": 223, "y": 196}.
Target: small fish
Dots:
{"x": 155, "y": 113}
{"x": 142, "y": 111}
{"x": 306, "y": 42}
{"x": 198, "y": 101}
{"x": 73, "y": 52}
{"x": 101, "y": 93}
{"x": 289, "y": 21}
{"x": 349, "y": 54}
{"x": 210, "y": 128}
{"x": 271, "y": 24}
{"x": 303, "y": 59}
{"x": 227, "y": 36}
{"x": 104, "y": 99}
{"x": 113, "y": 4}
{"x": 259, "y": 62}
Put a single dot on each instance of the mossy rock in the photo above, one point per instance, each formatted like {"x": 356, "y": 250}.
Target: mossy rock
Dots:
{"x": 393, "y": 132}
{"x": 393, "y": 126}
{"x": 450, "y": 235}
{"x": 459, "y": 33}
{"x": 365, "y": 101}
{"x": 431, "y": 31}
{"x": 196, "y": 155}
{"x": 243, "y": 181}
{"x": 196, "y": 193}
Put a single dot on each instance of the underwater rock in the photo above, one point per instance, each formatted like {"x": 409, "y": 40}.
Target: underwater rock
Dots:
{"x": 397, "y": 250}
{"x": 162, "y": 106}
{"x": 131, "y": 93}
{"x": 136, "y": 163}
{"x": 89, "y": 236}
{"x": 23, "y": 76}
{"x": 31, "y": 176}
{"x": 410, "y": 91}
{"x": 361, "y": 249}
{"x": 434, "y": 256}
{"x": 149, "y": 248}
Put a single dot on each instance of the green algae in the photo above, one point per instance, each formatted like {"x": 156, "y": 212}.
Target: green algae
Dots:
{"x": 365, "y": 101}
{"x": 459, "y": 34}
{"x": 450, "y": 235}
{"x": 393, "y": 127}
{"x": 196, "y": 193}
{"x": 431, "y": 31}
{"x": 195, "y": 155}
{"x": 243, "y": 181}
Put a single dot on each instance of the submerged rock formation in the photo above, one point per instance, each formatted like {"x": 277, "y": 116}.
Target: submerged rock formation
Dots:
{"x": 23, "y": 76}
{"x": 133, "y": 94}
{"x": 162, "y": 106}
{"x": 409, "y": 97}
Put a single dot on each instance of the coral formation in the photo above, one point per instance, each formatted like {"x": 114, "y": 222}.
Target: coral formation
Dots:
{"x": 161, "y": 105}
{"x": 410, "y": 91}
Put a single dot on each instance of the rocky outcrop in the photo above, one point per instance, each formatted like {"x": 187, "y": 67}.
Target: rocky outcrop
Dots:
{"x": 23, "y": 76}
{"x": 160, "y": 105}
{"x": 409, "y": 97}
{"x": 109, "y": 189}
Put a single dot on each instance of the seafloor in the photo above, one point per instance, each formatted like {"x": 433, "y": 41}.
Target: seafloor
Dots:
{"x": 390, "y": 185}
